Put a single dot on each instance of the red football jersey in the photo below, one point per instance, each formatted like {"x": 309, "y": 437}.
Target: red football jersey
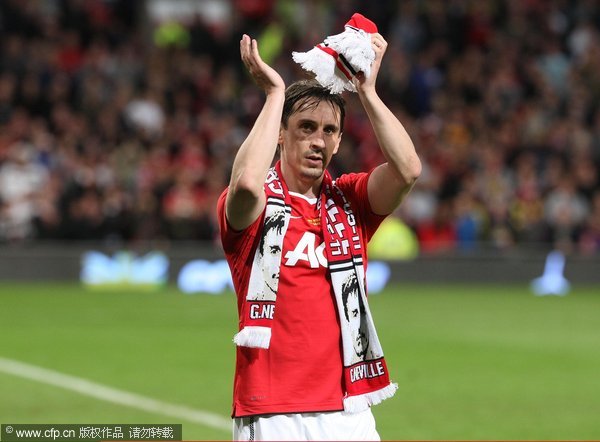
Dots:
{"x": 302, "y": 369}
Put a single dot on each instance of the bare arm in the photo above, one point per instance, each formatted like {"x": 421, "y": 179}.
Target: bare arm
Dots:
{"x": 391, "y": 181}
{"x": 246, "y": 198}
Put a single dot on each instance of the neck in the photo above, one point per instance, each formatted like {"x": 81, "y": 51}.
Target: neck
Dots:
{"x": 309, "y": 187}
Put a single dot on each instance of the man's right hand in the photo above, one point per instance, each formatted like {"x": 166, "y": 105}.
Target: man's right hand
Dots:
{"x": 246, "y": 197}
{"x": 264, "y": 75}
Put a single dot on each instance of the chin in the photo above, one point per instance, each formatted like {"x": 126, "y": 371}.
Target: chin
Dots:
{"x": 313, "y": 173}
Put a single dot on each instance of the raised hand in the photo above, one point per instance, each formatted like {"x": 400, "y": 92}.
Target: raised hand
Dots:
{"x": 379, "y": 45}
{"x": 264, "y": 75}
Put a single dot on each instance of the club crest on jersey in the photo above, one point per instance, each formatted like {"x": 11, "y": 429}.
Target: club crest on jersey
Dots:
{"x": 314, "y": 221}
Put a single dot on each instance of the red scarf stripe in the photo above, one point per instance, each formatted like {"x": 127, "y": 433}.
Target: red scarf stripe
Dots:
{"x": 336, "y": 57}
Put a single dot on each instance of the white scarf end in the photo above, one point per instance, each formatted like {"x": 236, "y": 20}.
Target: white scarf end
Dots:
{"x": 253, "y": 337}
{"x": 355, "y": 46}
{"x": 361, "y": 402}
{"x": 323, "y": 66}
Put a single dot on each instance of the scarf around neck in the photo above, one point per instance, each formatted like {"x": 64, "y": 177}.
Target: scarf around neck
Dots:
{"x": 366, "y": 377}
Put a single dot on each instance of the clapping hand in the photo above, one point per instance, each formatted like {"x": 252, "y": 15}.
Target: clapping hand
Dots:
{"x": 264, "y": 75}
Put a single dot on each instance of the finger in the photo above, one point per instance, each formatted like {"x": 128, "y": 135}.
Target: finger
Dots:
{"x": 379, "y": 48}
{"x": 378, "y": 36}
{"x": 254, "y": 50}
{"x": 244, "y": 44}
{"x": 378, "y": 44}
{"x": 247, "y": 53}
{"x": 244, "y": 41}
{"x": 378, "y": 41}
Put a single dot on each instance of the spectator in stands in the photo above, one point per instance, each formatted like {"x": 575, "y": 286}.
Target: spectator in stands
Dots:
{"x": 503, "y": 96}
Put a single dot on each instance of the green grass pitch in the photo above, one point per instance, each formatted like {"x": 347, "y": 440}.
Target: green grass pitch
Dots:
{"x": 471, "y": 361}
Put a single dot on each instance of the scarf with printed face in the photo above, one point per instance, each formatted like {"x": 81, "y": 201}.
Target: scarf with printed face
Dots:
{"x": 366, "y": 377}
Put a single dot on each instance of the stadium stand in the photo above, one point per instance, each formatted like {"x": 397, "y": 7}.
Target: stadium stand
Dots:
{"x": 117, "y": 127}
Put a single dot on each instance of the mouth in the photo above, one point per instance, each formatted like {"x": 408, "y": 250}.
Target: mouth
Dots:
{"x": 315, "y": 160}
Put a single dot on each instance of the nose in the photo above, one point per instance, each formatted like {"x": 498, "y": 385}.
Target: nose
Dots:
{"x": 318, "y": 139}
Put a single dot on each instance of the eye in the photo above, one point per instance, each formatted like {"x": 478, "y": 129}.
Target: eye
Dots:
{"x": 274, "y": 249}
{"x": 330, "y": 130}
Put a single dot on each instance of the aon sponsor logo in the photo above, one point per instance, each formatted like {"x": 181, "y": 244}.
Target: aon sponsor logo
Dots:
{"x": 307, "y": 250}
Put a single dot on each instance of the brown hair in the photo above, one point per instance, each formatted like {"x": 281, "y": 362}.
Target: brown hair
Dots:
{"x": 307, "y": 94}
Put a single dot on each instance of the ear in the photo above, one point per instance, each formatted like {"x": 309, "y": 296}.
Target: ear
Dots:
{"x": 337, "y": 146}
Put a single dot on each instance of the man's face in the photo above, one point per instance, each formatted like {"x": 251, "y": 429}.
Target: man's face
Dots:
{"x": 359, "y": 336}
{"x": 311, "y": 138}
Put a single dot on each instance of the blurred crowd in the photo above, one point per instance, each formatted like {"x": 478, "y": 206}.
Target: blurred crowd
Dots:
{"x": 114, "y": 126}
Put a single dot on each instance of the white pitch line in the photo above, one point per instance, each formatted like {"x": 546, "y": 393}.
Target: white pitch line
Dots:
{"x": 109, "y": 394}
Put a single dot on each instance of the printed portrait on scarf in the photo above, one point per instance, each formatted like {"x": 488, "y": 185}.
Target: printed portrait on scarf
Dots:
{"x": 269, "y": 251}
{"x": 355, "y": 314}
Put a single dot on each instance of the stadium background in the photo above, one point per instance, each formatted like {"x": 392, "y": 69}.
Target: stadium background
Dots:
{"x": 119, "y": 122}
